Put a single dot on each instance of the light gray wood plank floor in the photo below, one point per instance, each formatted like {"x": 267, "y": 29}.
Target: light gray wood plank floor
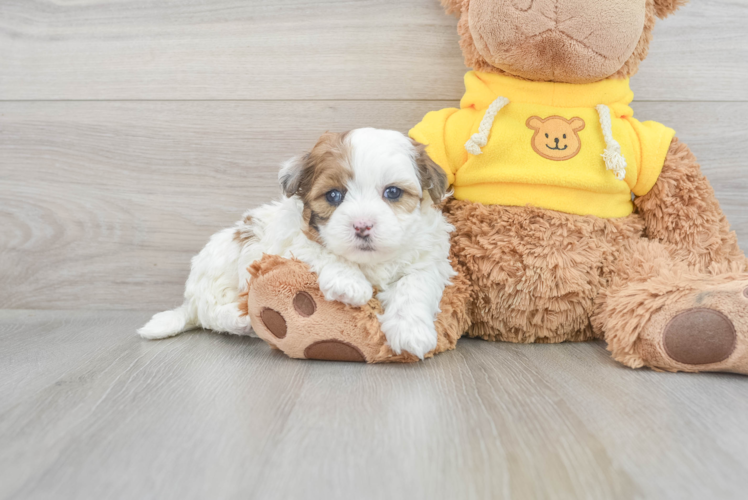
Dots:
{"x": 88, "y": 410}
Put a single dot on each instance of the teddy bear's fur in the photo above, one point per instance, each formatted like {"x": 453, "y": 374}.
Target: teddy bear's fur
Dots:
{"x": 666, "y": 287}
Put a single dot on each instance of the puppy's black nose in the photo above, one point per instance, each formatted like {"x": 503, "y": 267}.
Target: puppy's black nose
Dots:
{"x": 556, "y": 139}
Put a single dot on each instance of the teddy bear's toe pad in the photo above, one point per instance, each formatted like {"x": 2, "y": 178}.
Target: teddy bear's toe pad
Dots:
{"x": 304, "y": 304}
{"x": 274, "y": 322}
{"x": 699, "y": 336}
{"x": 334, "y": 350}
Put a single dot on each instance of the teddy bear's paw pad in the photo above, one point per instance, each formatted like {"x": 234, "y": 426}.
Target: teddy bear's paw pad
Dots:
{"x": 274, "y": 322}
{"x": 304, "y": 304}
{"x": 705, "y": 329}
{"x": 334, "y": 350}
{"x": 745, "y": 292}
{"x": 700, "y": 336}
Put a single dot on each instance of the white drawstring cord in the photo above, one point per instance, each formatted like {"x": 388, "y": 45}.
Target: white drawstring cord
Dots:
{"x": 480, "y": 139}
{"x": 614, "y": 160}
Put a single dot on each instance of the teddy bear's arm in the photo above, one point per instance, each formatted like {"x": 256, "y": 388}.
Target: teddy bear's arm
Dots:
{"x": 681, "y": 210}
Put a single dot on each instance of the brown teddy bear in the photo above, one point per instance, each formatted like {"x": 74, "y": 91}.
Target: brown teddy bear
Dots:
{"x": 574, "y": 220}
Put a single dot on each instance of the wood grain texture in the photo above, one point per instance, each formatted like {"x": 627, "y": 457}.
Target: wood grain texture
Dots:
{"x": 88, "y": 410}
{"x": 103, "y": 204}
{"x": 296, "y": 49}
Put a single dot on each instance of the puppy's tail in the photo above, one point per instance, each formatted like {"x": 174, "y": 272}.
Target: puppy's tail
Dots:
{"x": 167, "y": 324}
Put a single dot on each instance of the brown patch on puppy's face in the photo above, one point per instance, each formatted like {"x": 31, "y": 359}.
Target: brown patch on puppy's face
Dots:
{"x": 326, "y": 168}
{"x": 556, "y": 138}
{"x": 408, "y": 200}
{"x": 433, "y": 181}
{"x": 332, "y": 171}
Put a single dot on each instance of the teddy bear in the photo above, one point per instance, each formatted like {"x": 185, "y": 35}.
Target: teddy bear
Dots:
{"x": 573, "y": 220}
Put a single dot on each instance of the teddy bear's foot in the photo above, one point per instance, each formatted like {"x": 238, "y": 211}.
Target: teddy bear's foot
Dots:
{"x": 289, "y": 312}
{"x": 703, "y": 329}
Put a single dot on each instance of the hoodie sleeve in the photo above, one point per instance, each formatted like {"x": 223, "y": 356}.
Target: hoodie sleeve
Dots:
{"x": 654, "y": 140}
{"x": 444, "y": 133}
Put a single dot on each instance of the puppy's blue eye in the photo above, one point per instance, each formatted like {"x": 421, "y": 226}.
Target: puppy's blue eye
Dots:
{"x": 393, "y": 193}
{"x": 546, "y": 136}
{"x": 564, "y": 136}
{"x": 334, "y": 197}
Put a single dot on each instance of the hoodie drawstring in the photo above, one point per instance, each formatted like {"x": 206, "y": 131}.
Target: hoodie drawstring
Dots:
{"x": 480, "y": 139}
{"x": 614, "y": 160}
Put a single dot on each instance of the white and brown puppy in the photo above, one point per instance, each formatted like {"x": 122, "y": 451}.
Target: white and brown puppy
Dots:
{"x": 359, "y": 209}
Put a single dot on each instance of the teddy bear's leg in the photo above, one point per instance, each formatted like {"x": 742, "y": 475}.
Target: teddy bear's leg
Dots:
{"x": 677, "y": 300}
{"x": 289, "y": 312}
{"x": 660, "y": 313}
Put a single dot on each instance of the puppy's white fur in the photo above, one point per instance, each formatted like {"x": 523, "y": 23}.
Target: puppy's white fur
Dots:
{"x": 405, "y": 255}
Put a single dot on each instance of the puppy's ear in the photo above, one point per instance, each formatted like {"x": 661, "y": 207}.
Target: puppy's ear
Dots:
{"x": 432, "y": 176}
{"x": 293, "y": 174}
{"x": 664, "y": 8}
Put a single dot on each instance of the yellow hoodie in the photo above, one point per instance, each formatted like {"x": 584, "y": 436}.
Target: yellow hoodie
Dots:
{"x": 574, "y": 148}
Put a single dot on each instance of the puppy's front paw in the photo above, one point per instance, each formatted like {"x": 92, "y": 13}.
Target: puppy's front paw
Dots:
{"x": 409, "y": 334}
{"x": 351, "y": 290}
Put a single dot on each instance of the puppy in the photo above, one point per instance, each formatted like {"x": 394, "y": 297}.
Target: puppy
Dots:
{"x": 359, "y": 210}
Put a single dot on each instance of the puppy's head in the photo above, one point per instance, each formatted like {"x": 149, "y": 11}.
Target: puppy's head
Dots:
{"x": 364, "y": 192}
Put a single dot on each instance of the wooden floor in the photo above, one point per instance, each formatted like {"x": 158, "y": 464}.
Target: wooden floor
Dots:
{"x": 131, "y": 130}
{"x": 90, "y": 411}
